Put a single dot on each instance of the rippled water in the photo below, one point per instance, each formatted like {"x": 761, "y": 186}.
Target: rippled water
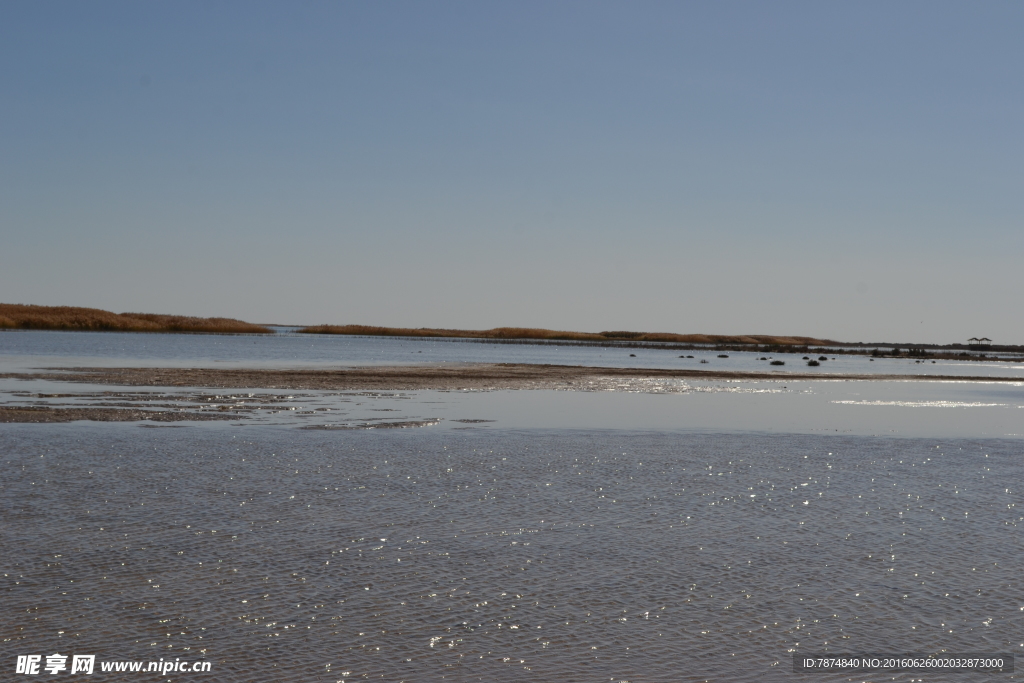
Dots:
{"x": 501, "y": 554}
{"x": 639, "y": 530}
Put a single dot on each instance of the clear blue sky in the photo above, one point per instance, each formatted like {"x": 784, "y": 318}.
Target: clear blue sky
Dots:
{"x": 849, "y": 170}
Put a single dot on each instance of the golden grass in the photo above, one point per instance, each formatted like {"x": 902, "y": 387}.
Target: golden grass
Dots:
{"x": 19, "y": 316}
{"x": 496, "y": 333}
{"x": 536, "y": 333}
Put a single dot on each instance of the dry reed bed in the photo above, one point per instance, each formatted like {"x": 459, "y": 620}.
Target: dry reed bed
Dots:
{"x": 19, "y": 316}
{"x": 536, "y": 333}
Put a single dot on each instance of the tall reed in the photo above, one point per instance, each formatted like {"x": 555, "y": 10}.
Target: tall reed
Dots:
{"x": 19, "y": 316}
{"x": 537, "y": 333}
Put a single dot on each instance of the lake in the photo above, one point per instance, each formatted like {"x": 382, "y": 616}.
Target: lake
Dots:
{"x": 648, "y": 531}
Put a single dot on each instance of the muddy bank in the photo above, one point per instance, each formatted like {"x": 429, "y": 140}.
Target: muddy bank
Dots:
{"x": 437, "y": 377}
{"x": 44, "y": 414}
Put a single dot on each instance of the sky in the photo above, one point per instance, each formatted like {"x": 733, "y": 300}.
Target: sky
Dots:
{"x": 851, "y": 171}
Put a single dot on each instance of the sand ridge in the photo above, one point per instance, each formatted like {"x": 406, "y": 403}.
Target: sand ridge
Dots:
{"x": 449, "y": 376}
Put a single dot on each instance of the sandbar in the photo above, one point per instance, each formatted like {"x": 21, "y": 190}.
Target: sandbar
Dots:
{"x": 43, "y": 414}
{"x": 446, "y": 377}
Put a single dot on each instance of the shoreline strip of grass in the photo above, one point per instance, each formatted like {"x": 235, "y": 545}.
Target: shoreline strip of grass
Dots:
{"x": 510, "y": 333}
{"x": 73, "y": 318}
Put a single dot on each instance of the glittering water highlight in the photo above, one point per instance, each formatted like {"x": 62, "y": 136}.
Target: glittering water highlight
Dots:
{"x": 497, "y": 554}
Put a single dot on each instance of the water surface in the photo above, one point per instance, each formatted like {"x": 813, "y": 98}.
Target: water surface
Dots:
{"x": 505, "y": 555}
{"x": 642, "y": 530}
{"x": 30, "y": 349}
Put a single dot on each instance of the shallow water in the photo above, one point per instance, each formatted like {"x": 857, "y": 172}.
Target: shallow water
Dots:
{"x": 644, "y": 530}
{"x": 21, "y": 350}
{"x": 506, "y": 554}
{"x": 896, "y": 408}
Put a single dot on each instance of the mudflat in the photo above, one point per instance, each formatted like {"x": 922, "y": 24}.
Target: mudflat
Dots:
{"x": 476, "y": 376}
{"x": 42, "y": 414}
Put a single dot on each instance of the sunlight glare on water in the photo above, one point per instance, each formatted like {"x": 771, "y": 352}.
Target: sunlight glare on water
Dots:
{"x": 506, "y": 555}
{"x": 635, "y": 529}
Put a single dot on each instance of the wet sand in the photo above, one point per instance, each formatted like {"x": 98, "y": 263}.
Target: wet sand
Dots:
{"x": 40, "y": 414}
{"x": 448, "y": 377}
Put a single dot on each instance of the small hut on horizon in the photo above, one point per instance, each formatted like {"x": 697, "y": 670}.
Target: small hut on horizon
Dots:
{"x": 979, "y": 343}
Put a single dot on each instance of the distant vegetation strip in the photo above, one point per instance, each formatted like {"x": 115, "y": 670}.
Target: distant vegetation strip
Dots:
{"x": 18, "y": 316}
{"x": 534, "y": 333}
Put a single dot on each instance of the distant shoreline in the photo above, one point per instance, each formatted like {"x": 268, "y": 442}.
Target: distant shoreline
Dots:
{"x": 76, "y": 319}
{"x": 670, "y": 341}
{"x": 531, "y": 333}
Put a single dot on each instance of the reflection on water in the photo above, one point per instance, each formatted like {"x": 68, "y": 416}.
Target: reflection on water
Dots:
{"x": 504, "y": 555}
